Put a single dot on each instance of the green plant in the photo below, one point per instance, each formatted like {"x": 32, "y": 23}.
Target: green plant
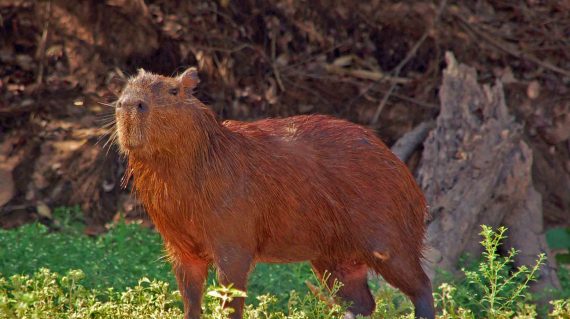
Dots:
{"x": 316, "y": 305}
{"x": 68, "y": 219}
{"x": 390, "y": 302}
{"x": 320, "y": 302}
{"x": 561, "y": 309}
{"x": 448, "y": 304}
{"x": 494, "y": 289}
{"x": 564, "y": 276}
{"x": 558, "y": 240}
{"x": 279, "y": 281}
{"x": 121, "y": 256}
{"x": 108, "y": 286}
{"x": 221, "y": 296}
{"x": 46, "y": 294}
{"x": 49, "y": 295}
{"x": 116, "y": 259}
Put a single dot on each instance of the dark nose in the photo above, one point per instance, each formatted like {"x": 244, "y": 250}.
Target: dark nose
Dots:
{"x": 136, "y": 105}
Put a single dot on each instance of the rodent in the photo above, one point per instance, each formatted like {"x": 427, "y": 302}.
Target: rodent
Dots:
{"x": 302, "y": 188}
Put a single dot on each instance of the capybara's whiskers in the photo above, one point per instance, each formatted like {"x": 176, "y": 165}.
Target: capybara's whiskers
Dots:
{"x": 107, "y": 132}
{"x": 110, "y": 124}
{"x": 107, "y": 104}
{"x": 110, "y": 141}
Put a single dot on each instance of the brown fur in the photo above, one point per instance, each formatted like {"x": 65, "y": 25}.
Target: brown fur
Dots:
{"x": 278, "y": 190}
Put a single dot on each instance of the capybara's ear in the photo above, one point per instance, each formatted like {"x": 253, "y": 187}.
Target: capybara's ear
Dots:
{"x": 189, "y": 78}
{"x": 116, "y": 83}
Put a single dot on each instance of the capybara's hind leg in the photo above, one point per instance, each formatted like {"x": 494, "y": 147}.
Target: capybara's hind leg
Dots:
{"x": 354, "y": 290}
{"x": 233, "y": 268}
{"x": 406, "y": 274}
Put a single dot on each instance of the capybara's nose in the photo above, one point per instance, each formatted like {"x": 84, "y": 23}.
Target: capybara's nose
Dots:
{"x": 141, "y": 106}
{"x": 132, "y": 105}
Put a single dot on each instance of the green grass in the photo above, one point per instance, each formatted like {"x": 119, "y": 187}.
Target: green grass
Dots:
{"x": 117, "y": 259}
{"x": 101, "y": 278}
{"x": 121, "y": 257}
{"x": 558, "y": 239}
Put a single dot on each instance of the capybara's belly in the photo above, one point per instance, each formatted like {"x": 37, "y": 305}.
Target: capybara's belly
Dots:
{"x": 318, "y": 223}
{"x": 287, "y": 253}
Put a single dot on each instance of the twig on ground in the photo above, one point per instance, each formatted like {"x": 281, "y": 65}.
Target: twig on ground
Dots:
{"x": 356, "y": 83}
{"x": 273, "y": 64}
{"x": 315, "y": 291}
{"x": 42, "y": 46}
{"x": 508, "y": 48}
{"x": 365, "y": 74}
{"x": 408, "y": 57}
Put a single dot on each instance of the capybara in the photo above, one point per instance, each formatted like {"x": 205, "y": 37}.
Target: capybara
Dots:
{"x": 303, "y": 188}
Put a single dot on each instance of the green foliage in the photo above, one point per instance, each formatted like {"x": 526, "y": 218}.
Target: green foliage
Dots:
{"x": 108, "y": 286}
{"x": 116, "y": 259}
{"x": 220, "y": 297}
{"x": 494, "y": 289}
{"x": 559, "y": 238}
{"x": 564, "y": 276}
{"x": 278, "y": 281}
{"x": 49, "y": 295}
{"x": 120, "y": 257}
{"x": 561, "y": 309}
{"x": 299, "y": 306}
{"x": 68, "y": 220}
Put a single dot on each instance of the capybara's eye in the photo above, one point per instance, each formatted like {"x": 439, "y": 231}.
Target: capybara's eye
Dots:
{"x": 173, "y": 91}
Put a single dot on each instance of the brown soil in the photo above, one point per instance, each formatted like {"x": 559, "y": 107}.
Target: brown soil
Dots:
{"x": 262, "y": 59}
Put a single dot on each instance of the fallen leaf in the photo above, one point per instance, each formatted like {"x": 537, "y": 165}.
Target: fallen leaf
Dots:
{"x": 533, "y": 90}
{"x": 43, "y": 210}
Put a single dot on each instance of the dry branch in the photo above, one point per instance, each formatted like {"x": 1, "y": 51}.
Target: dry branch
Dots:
{"x": 508, "y": 48}
{"x": 405, "y": 61}
{"x": 365, "y": 74}
{"x": 407, "y": 144}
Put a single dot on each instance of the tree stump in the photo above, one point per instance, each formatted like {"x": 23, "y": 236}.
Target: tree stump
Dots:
{"x": 476, "y": 169}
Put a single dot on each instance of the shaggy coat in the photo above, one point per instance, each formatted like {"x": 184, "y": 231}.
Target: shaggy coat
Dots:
{"x": 304, "y": 188}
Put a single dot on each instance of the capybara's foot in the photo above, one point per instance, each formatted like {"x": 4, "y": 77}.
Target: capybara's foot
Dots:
{"x": 423, "y": 305}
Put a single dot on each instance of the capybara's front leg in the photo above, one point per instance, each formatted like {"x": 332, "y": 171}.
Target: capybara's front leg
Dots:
{"x": 191, "y": 277}
{"x": 233, "y": 268}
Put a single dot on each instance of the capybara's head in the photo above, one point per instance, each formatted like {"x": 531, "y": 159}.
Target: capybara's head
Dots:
{"x": 154, "y": 112}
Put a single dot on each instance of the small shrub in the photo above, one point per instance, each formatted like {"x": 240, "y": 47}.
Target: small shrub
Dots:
{"x": 220, "y": 297}
{"x": 494, "y": 289}
{"x": 49, "y": 295}
{"x": 561, "y": 309}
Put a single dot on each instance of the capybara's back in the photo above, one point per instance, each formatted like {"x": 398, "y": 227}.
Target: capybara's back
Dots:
{"x": 301, "y": 188}
{"x": 336, "y": 182}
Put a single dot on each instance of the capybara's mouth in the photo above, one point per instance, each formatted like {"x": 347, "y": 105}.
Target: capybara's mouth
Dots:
{"x": 130, "y": 134}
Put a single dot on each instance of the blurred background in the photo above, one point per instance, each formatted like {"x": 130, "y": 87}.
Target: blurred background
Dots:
{"x": 378, "y": 63}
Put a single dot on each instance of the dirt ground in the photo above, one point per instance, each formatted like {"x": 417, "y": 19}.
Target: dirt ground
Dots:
{"x": 378, "y": 63}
